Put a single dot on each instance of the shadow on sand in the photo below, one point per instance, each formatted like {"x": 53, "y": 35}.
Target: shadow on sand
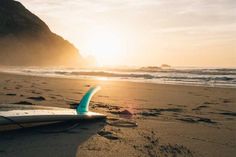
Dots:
{"x": 59, "y": 139}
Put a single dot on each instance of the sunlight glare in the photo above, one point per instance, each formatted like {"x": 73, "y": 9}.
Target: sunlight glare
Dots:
{"x": 106, "y": 46}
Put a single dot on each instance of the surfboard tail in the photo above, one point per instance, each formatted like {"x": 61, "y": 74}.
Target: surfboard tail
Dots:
{"x": 83, "y": 106}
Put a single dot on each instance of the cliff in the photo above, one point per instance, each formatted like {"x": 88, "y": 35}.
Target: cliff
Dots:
{"x": 26, "y": 40}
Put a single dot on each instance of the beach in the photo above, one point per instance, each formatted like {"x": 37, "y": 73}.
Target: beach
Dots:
{"x": 143, "y": 119}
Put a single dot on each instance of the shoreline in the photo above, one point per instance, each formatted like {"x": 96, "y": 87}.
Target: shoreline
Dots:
{"x": 117, "y": 80}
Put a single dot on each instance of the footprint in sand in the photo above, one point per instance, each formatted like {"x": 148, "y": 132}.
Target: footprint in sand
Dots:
{"x": 11, "y": 94}
{"x": 208, "y": 103}
{"x": 53, "y": 97}
{"x": 152, "y": 147}
{"x": 24, "y": 103}
{"x": 108, "y": 135}
{"x": 121, "y": 123}
{"x": 229, "y": 113}
{"x": 106, "y": 106}
{"x": 175, "y": 150}
{"x": 18, "y": 87}
{"x": 35, "y": 92}
{"x": 225, "y": 101}
{"x": 197, "y": 120}
{"x": 47, "y": 90}
{"x": 200, "y": 107}
{"x": 155, "y": 112}
{"x": 5, "y": 88}
{"x": 39, "y": 98}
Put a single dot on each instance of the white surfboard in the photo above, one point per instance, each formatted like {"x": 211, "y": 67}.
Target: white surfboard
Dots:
{"x": 10, "y": 113}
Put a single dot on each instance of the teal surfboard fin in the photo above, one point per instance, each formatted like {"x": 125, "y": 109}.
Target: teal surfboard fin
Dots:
{"x": 83, "y": 106}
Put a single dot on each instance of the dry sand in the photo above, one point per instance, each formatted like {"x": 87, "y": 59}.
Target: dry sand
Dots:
{"x": 172, "y": 120}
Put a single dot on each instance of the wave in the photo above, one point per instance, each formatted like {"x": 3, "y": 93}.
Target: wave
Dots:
{"x": 212, "y": 77}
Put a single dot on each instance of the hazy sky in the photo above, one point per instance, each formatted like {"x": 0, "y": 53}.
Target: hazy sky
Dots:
{"x": 145, "y": 32}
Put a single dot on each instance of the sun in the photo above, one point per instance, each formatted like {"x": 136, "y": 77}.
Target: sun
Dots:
{"x": 106, "y": 46}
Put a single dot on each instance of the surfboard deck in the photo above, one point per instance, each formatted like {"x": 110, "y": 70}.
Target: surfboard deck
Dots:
{"x": 10, "y": 113}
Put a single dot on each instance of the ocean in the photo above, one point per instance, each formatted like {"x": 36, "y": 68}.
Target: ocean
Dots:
{"x": 210, "y": 77}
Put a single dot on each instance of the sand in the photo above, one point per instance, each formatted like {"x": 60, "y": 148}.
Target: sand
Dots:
{"x": 144, "y": 119}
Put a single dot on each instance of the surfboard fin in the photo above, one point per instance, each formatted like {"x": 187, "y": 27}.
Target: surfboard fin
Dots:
{"x": 83, "y": 106}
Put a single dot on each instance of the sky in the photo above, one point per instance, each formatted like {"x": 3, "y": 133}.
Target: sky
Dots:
{"x": 145, "y": 32}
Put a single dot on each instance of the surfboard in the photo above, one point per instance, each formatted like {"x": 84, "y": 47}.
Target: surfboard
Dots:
{"x": 10, "y": 113}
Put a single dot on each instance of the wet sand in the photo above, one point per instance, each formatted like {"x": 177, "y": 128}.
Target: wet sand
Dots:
{"x": 144, "y": 119}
